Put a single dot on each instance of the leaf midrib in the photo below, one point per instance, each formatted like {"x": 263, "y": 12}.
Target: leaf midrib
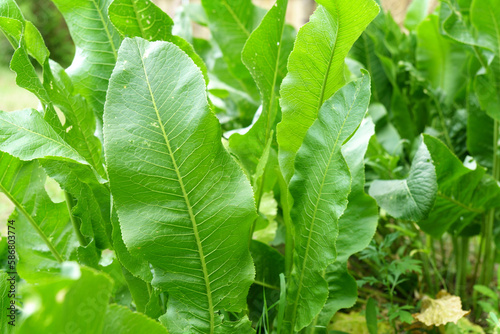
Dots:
{"x": 275, "y": 79}
{"x": 325, "y": 79}
{"x": 458, "y": 203}
{"x": 105, "y": 26}
{"x": 61, "y": 144}
{"x": 30, "y": 219}
{"x": 186, "y": 199}
{"x": 236, "y": 19}
{"x": 139, "y": 22}
{"x": 334, "y": 149}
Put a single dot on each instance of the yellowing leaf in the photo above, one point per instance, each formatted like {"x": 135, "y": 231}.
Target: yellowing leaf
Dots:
{"x": 446, "y": 308}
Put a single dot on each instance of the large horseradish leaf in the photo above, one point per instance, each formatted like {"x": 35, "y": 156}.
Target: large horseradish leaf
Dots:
{"x": 320, "y": 187}
{"x": 356, "y": 228}
{"x": 265, "y": 54}
{"x": 183, "y": 203}
{"x": 231, "y": 22}
{"x": 142, "y": 18}
{"x": 44, "y": 233}
{"x": 316, "y": 69}
{"x": 96, "y": 42}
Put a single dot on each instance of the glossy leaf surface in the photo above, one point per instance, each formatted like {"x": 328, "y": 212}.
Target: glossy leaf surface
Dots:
{"x": 167, "y": 167}
{"x": 95, "y": 54}
{"x": 265, "y": 54}
{"x": 356, "y": 228}
{"x": 316, "y": 69}
{"x": 320, "y": 187}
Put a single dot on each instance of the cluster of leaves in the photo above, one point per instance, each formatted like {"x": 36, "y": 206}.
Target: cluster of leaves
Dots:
{"x": 435, "y": 103}
{"x": 172, "y": 216}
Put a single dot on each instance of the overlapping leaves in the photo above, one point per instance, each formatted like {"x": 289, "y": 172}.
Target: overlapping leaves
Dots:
{"x": 320, "y": 187}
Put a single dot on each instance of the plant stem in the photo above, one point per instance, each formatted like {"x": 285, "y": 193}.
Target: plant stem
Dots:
{"x": 425, "y": 262}
{"x": 285, "y": 205}
{"x": 257, "y": 203}
{"x": 443, "y": 253}
{"x": 486, "y": 274}
{"x": 488, "y": 255}
{"x": 443, "y": 123}
{"x": 70, "y": 203}
{"x": 372, "y": 292}
{"x": 433, "y": 262}
{"x": 462, "y": 268}
{"x": 478, "y": 258}
{"x": 458, "y": 254}
{"x": 33, "y": 223}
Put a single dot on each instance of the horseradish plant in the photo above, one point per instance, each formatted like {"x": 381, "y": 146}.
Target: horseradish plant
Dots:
{"x": 186, "y": 163}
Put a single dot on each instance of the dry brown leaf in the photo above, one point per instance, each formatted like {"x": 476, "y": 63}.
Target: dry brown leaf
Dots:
{"x": 442, "y": 310}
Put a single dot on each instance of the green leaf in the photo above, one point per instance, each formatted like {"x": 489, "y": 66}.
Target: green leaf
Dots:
{"x": 79, "y": 127}
{"x": 487, "y": 87}
{"x": 416, "y": 13}
{"x": 386, "y": 133}
{"x": 120, "y": 319}
{"x": 136, "y": 271}
{"x": 463, "y": 193}
{"x": 96, "y": 42}
{"x": 356, "y": 228}
{"x": 320, "y": 187}
{"x": 364, "y": 51}
{"x": 56, "y": 88}
{"x": 411, "y": 198}
{"x": 9, "y": 8}
{"x": 26, "y": 76}
{"x": 92, "y": 207}
{"x": 18, "y": 30}
{"x": 485, "y": 16}
{"x": 27, "y": 41}
{"x": 26, "y": 135}
{"x": 138, "y": 290}
{"x": 142, "y": 18}
{"x": 12, "y": 28}
{"x": 399, "y": 105}
{"x": 44, "y": 232}
{"x": 76, "y": 300}
{"x": 175, "y": 187}
{"x": 316, "y": 69}
{"x": 484, "y": 290}
{"x": 134, "y": 265}
{"x": 265, "y": 54}
{"x": 231, "y": 22}
{"x": 479, "y": 133}
{"x": 440, "y": 60}
{"x": 269, "y": 264}
{"x": 454, "y": 19}
{"x": 371, "y": 316}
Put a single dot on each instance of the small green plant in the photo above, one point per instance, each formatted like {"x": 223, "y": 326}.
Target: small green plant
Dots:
{"x": 391, "y": 272}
